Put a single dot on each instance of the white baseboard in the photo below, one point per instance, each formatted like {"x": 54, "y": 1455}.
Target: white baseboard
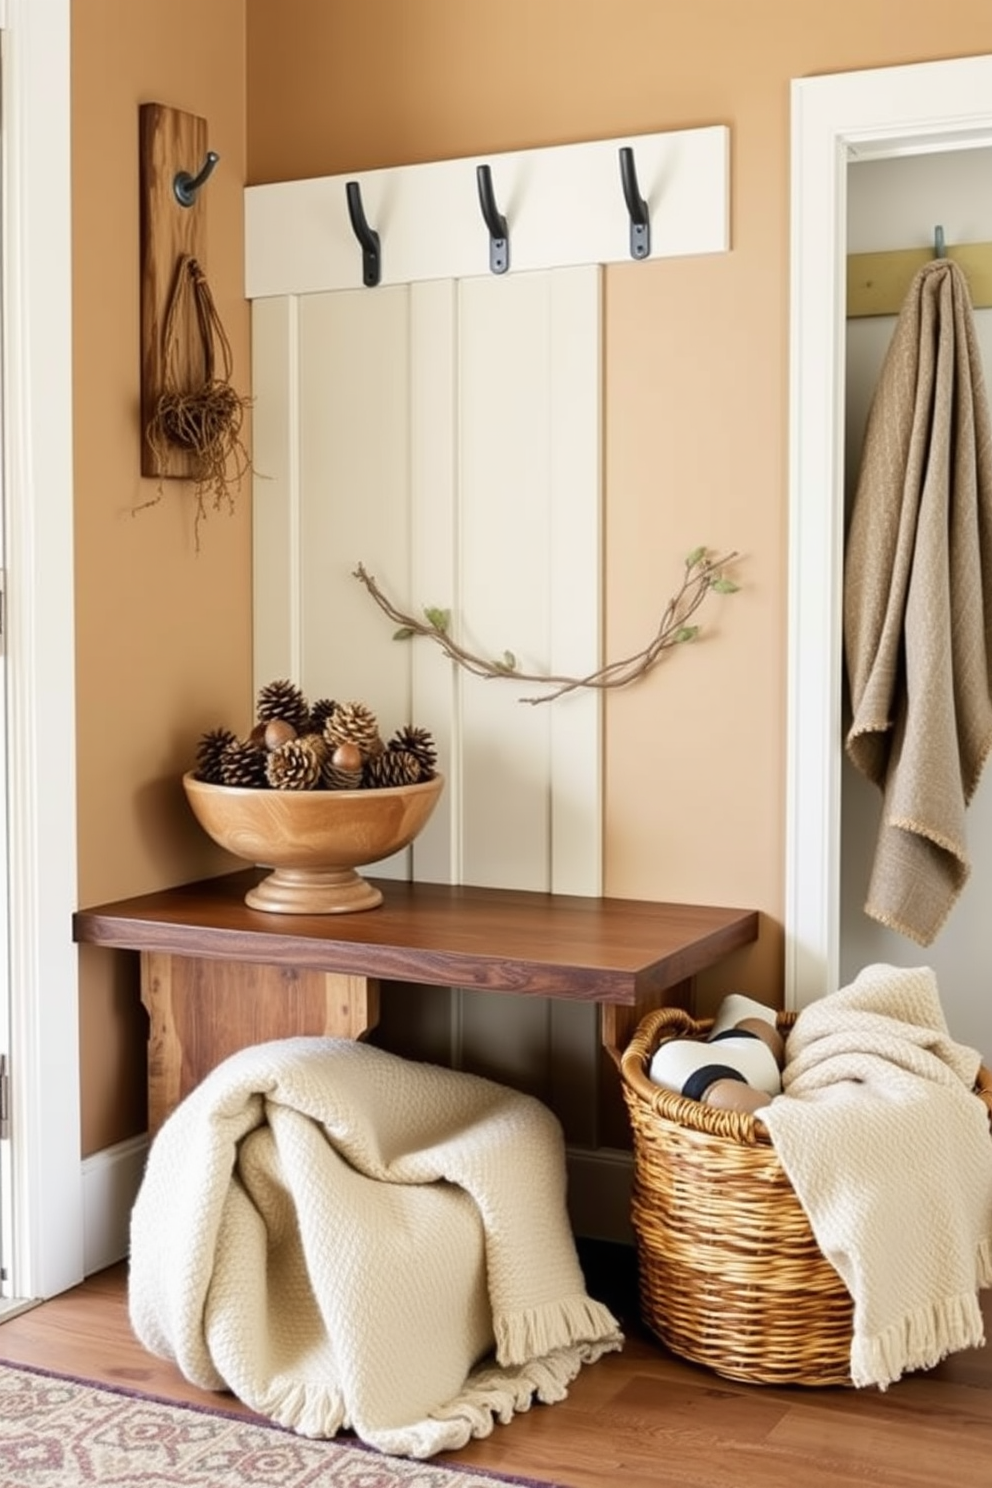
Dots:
{"x": 599, "y": 1184}
{"x": 111, "y": 1179}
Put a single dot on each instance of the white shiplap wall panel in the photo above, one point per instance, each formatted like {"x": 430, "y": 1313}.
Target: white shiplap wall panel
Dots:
{"x": 355, "y": 501}
{"x": 433, "y": 557}
{"x": 276, "y": 489}
{"x": 575, "y": 578}
{"x": 446, "y": 436}
{"x": 355, "y": 506}
{"x": 503, "y": 565}
{"x": 564, "y": 206}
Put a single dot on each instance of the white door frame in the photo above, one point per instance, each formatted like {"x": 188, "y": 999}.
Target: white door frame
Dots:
{"x": 46, "y": 1178}
{"x": 861, "y": 115}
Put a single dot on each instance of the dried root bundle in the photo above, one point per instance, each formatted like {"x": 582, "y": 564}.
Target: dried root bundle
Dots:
{"x": 199, "y": 415}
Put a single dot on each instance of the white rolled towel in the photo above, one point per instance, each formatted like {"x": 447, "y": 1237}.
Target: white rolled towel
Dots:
{"x": 734, "y": 1007}
{"x": 691, "y": 1066}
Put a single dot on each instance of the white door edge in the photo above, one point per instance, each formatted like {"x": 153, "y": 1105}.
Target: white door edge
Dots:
{"x": 46, "y": 1181}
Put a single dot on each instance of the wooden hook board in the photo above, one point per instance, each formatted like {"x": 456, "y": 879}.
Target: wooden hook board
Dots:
{"x": 877, "y": 283}
{"x": 171, "y": 142}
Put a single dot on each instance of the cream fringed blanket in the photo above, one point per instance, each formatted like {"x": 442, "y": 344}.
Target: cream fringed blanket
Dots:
{"x": 347, "y": 1239}
{"x": 918, "y": 603}
{"x": 889, "y": 1152}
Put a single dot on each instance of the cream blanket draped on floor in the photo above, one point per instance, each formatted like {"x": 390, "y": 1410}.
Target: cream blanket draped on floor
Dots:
{"x": 347, "y": 1239}
{"x": 918, "y": 603}
{"x": 889, "y": 1152}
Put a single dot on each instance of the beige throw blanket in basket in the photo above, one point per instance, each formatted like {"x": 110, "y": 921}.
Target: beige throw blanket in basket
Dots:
{"x": 889, "y": 1152}
{"x": 347, "y": 1239}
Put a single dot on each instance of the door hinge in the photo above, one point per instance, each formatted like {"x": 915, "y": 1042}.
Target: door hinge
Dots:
{"x": 4, "y": 1099}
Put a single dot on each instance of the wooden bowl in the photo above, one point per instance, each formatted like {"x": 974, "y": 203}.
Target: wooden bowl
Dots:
{"x": 312, "y": 840}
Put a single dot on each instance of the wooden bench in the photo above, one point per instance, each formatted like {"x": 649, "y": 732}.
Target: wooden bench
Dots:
{"x": 217, "y": 976}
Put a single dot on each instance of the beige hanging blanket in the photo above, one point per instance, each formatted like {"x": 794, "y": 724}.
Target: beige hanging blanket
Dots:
{"x": 889, "y": 1152}
{"x": 918, "y": 603}
{"x": 347, "y": 1239}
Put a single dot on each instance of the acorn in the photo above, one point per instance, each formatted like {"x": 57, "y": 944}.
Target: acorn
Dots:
{"x": 283, "y": 699}
{"x": 347, "y": 756}
{"x": 278, "y": 732}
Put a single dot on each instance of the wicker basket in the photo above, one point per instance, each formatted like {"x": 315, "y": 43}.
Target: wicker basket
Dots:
{"x": 730, "y": 1274}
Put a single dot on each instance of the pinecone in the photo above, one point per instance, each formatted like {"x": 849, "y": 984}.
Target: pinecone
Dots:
{"x": 419, "y": 743}
{"x": 210, "y": 752}
{"x": 334, "y": 778}
{"x": 284, "y": 700}
{"x": 353, "y": 723}
{"x": 243, "y": 763}
{"x": 320, "y": 713}
{"x": 391, "y": 767}
{"x": 317, "y": 743}
{"x": 295, "y": 765}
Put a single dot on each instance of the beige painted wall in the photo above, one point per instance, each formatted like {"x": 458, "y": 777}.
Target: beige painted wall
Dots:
{"x": 163, "y": 633}
{"x": 696, "y": 385}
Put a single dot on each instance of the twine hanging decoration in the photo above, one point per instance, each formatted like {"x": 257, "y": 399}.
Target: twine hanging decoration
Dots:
{"x": 203, "y": 421}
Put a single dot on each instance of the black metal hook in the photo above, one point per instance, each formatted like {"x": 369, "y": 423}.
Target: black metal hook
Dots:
{"x": 186, "y": 186}
{"x": 499, "y": 237}
{"x": 640, "y": 218}
{"x": 367, "y": 236}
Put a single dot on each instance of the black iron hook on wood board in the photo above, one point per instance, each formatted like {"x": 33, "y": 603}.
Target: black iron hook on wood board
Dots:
{"x": 366, "y": 235}
{"x": 499, "y": 237}
{"x": 640, "y": 217}
{"x": 186, "y": 187}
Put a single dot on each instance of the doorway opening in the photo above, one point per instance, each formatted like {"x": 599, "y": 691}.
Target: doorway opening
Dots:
{"x": 870, "y": 115}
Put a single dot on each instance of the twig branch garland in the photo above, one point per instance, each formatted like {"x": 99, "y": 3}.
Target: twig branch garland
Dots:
{"x": 702, "y": 575}
{"x": 203, "y": 421}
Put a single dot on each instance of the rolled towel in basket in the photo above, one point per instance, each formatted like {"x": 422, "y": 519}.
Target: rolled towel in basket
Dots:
{"x": 731, "y": 1052}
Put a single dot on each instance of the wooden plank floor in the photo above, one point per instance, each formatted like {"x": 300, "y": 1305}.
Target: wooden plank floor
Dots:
{"x": 639, "y": 1418}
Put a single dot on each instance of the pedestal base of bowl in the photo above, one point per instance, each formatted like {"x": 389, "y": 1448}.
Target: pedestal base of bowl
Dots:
{"x": 313, "y": 891}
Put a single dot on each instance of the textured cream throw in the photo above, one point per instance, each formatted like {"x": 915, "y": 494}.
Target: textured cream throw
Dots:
{"x": 918, "y": 603}
{"x": 889, "y": 1152}
{"x": 347, "y": 1239}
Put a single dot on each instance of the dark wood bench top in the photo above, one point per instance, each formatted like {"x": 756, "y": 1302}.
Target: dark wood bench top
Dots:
{"x": 500, "y": 940}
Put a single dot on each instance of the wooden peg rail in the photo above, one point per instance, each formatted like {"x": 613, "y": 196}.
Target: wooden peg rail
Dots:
{"x": 877, "y": 283}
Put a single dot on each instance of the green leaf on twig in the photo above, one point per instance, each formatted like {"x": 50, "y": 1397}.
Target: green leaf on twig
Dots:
{"x": 695, "y": 557}
{"x": 724, "y": 586}
{"x": 405, "y": 633}
{"x": 686, "y": 633}
{"x": 440, "y": 619}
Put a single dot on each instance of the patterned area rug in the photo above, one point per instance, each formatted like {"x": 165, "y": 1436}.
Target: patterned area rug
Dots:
{"x": 62, "y": 1433}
